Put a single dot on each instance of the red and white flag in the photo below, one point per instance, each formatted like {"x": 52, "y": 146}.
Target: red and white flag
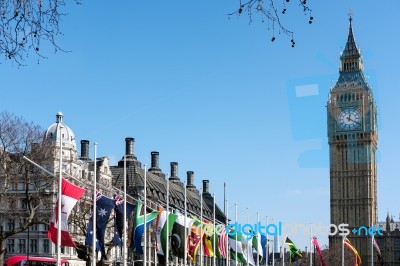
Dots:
{"x": 70, "y": 194}
{"x": 222, "y": 242}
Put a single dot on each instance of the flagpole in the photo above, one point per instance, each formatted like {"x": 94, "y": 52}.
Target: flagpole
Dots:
{"x": 273, "y": 249}
{"x": 226, "y": 224}
{"x": 215, "y": 248}
{"x": 372, "y": 250}
{"x": 145, "y": 212}
{"x": 283, "y": 256}
{"x": 311, "y": 262}
{"x": 247, "y": 246}
{"x": 236, "y": 234}
{"x": 59, "y": 220}
{"x": 201, "y": 223}
{"x": 185, "y": 235}
{"x": 124, "y": 223}
{"x": 167, "y": 244}
{"x": 258, "y": 246}
{"x": 266, "y": 242}
{"x": 342, "y": 250}
{"x": 94, "y": 227}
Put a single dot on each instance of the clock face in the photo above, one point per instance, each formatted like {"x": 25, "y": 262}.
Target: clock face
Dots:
{"x": 349, "y": 119}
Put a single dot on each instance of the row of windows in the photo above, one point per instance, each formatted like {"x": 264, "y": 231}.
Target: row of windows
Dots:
{"x": 20, "y": 246}
{"x": 349, "y": 97}
{"x": 12, "y": 224}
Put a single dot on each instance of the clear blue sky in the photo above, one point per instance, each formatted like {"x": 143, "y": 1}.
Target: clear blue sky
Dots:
{"x": 217, "y": 96}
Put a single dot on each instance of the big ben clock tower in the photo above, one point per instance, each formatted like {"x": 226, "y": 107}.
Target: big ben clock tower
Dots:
{"x": 352, "y": 136}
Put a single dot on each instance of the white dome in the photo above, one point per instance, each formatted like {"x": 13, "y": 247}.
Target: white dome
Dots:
{"x": 53, "y": 133}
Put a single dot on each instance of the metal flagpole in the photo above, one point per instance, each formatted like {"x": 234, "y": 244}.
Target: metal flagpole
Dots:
{"x": 236, "y": 247}
{"x": 311, "y": 262}
{"x": 145, "y": 212}
{"x": 215, "y": 247}
{"x": 94, "y": 231}
{"x": 167, "y": 244}
{"x": 226, "y": 224}
{"x": 273, "y": 249}
{"x": 258, "y": 239}
{"x": 372, "y": 250}
{"x": 283, "y": 256}
{"x": 342, "y": 250}
{"x": 124, "y": 224}
{"x": 59, "y": 219}
{"x": 266, "y": 242}
{"x": 201, "y": 224}
{"x": 185, "y": 235}
{"x": 247, "y": 244}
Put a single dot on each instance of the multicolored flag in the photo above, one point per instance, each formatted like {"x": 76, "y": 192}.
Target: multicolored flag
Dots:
{"x": 182, "y": 224}
{"x": 294, "y": 252}
{"x": 235, "y": 246}
{"x": 104, "y": 207}
{"x": 70, "y": 194}
{"x": 378, "y": 251}
{"x": 222, "y": 241}
{"x": 162, "y": 233}
{"x": 208, "y": 239}
{"x": 348, "y": 244}
{"x": 317, "y": 247}
{"x": 119, "y": 218}
{"x": 139, "y": 225}
{"x": 195, "y": 235}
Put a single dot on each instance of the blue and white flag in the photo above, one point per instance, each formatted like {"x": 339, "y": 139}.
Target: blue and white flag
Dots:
{"x": 104, "y": 207}
{"x": 119, "y": 218}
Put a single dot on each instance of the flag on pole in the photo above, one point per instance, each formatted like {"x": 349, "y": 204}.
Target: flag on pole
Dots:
{"x": 222, "y": 241}
{"x": 70, "y": 194}
{"x": 104, "y": 207}
{"x": 236, "y": 246}
{"x": 264, "y": 245}
{"x": 248, "y": 249}
{"x": 119, "y": 218}
{"x": 318, "y": 248}
{"x": 178, "y": 235}
{"x": 162, "y": 233}
{"x": 196, "y": 233}
{"x": 378, "y": 252}
{"x": 348, "y": 244}
{"x": 257, "y": 245}
{"x": 294, "y": 252}
{"x": 139, "y": 225}
{"x": 207, "y": 239}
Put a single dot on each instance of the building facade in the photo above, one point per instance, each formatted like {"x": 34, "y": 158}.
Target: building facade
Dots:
{"x": 33, "y": 240}
{"x": 353, "y": 139}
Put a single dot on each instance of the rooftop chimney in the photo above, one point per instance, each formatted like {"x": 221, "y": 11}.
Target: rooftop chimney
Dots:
{"x": 155, "y": 169}
{"x": 129, "y": 147}
{"x": 206, "y": 186}
{"x": 85, "y": 150}
{"x": 174, "y": 173}
{"x": 131, "y": 160}
{"x": 190, "y": 180}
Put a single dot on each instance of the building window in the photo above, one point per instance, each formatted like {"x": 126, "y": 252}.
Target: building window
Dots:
{"x": 10, "y": 246}
{"x": 21, "y": 246}
{"x": 397, "y": 243}
{"x": 10, "y": 225}
{"x": 33, "y": 245}
{"x": 46, "y": 246}
{"x": 397, "y": 256}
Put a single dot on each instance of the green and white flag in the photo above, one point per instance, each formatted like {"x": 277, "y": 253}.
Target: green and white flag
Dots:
{"x": 178, "y": 235}
{"x": 257, "y": 246}
{"x": 162, "y": 233}
{"x": 236, "y": 246}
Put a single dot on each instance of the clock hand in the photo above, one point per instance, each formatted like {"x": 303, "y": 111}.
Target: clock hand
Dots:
{"x": 352, "y": 120}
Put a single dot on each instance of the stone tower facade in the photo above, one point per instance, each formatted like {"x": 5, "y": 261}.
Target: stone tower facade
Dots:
{"x": 353, "y": 137}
